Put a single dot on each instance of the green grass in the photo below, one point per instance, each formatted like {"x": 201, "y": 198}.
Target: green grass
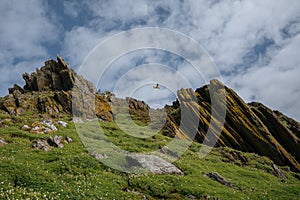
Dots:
{"x": 72, "y": 173}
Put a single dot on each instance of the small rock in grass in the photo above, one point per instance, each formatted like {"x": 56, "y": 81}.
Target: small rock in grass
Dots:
{"x": 47, "y": 130}
{"x": 191, "y": 196}
{"x": 2, "y": 141}
{"x": 46, "y": 144}
{"x": 78, "y": 120}
{"x": 62, "y": 123}
{"x": 2, "y": 125}
{"x": 37, "y": 129}
{"x": 217, "y": 177}
{"x": 41, "y": 144}
{"x": 25, "y": 127}
{"x": 278, "y": 172}
{"x": 56, "y": 141}
{"x": 49, "y": 124}
{"x": 100, "y": 156}
{"x": 68, "y": 139}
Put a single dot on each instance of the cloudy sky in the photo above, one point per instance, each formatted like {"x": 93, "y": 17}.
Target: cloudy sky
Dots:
{"x": 254, "y": 44}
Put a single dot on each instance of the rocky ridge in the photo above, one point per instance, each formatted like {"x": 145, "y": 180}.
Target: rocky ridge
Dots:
{"x": 249, "y": 127}
{"x": 51, "y": 89}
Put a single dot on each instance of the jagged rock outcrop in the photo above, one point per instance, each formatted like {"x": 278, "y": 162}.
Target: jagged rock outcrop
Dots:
{"x": 253, "y": 127}
{"x": 52, "y": 89}
{"x": 16, "y": 88}
{"x": 289, "y": 123}
{"x": 285, "y": 137}
{"x": 250, "y": 128}
{"x": 54, "y": 76}
{"x": 45, "y": 144}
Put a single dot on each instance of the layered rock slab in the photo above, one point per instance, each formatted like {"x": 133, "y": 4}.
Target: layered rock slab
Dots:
{"x": 248, "y": 127}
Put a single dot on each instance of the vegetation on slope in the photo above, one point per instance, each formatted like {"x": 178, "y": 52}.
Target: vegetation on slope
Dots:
{"x": 72, "y": 173}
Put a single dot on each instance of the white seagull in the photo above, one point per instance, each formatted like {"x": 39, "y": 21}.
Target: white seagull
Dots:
{"x": 157, "y": 86}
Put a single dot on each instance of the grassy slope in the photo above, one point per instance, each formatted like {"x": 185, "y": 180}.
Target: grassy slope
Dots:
{"x": 72, "y": 173}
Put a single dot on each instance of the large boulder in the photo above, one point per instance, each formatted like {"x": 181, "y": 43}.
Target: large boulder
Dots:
{"x": 153, "y": 164}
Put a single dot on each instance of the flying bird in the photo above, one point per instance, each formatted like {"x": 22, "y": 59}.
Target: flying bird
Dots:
{"x": 157, "y": 86}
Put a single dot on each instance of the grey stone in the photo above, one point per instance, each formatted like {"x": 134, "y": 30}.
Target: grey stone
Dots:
{"x": 56, "y": 141}
{"x": 2, "y": 141}
{"x": 62, "y": 123}
{"x": 41, "y": 144}
{"x": 100, "y": 156}
{"x": 278, "y": 172}
{"x": 152, "y": 163}
{"x": 78, "y": 120}
{"x": 68, "y": 139}
{"x": 217, "y": 177}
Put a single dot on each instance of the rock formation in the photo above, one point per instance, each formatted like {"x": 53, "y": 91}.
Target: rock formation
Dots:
{"x": 248, "y": 127}
{"x": 51, "y": 90}
{"x": 45, "y": 144}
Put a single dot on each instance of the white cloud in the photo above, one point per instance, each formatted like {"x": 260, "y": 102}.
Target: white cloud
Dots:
{"x": 235, "y": 33}
{"x": 277, "y": 83}
{"x": 25, "y": 30}
{"x": 120, "y": 10}
{"x": 72, "y": 8}
{"x": 255, "y": 43}
{"x": 79, "y": 42}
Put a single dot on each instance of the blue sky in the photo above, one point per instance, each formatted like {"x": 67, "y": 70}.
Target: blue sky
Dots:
{"x": 255, "y": 44}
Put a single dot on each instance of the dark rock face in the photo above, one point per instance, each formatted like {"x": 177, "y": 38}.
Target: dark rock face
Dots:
{"x": 287, "y": 139}
{"x": 249, "y": 128}
{"x": 55, "y": 75}
{"x": 9, "y": 104}
{"x": 16, "y": 88}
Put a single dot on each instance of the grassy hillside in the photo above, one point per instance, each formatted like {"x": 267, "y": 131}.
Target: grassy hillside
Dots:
{"x": 72, "y": 173}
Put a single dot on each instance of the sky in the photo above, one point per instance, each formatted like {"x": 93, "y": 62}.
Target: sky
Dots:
{"x": 255, "y": 45}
